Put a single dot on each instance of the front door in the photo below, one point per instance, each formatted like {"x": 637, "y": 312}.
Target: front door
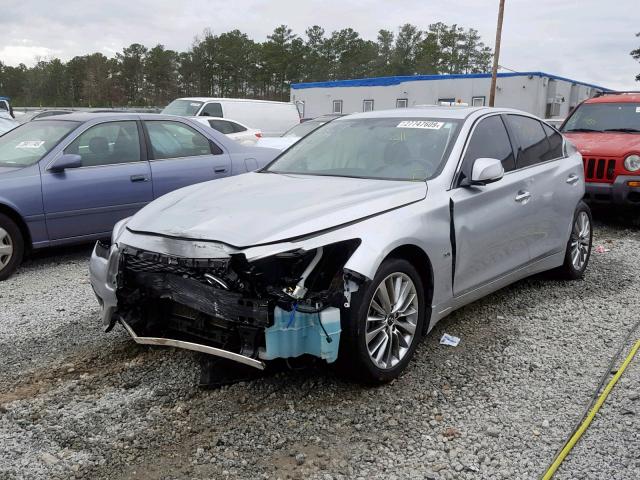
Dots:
{"x": 113, "y": 182}
{"x": 181, "y": 156}
{"x": 491, "y": 222}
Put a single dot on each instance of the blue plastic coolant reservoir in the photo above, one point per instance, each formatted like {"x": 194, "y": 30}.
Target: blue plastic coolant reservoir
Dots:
{"x": 294, "y": 336}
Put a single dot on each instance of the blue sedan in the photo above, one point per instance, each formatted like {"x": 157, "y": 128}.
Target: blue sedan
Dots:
{"x": 70, "y": 178}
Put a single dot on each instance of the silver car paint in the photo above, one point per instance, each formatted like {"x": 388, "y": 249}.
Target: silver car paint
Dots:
{"x": 498, "y": 239}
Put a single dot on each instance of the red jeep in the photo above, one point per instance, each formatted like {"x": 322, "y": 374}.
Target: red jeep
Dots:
{"x": 606, "y": 130}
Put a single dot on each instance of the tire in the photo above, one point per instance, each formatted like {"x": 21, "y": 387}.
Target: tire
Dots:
{"x": 355, "y": 359}
{"x": 582, "y": 233}
{"x": 11, "y": 247}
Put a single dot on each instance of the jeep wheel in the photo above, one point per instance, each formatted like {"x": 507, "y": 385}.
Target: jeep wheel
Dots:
{"x": 384, "y": 324}
{"x": 11, "y": 247}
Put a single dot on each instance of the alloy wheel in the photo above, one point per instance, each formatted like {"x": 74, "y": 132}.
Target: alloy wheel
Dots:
{"x": 6, "y": 248}
{"x": 392, "y": 320}
{"x": 580, "y": 240}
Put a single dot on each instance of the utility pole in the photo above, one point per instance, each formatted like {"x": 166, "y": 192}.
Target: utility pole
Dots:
{"x": 496, "y": 55}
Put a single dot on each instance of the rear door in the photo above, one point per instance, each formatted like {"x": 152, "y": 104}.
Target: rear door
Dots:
{"x": 113, "y": 183}
{"x": 552, "y": 183}
{"x": 180, "y": 156}
{"x": 491, "y": 223}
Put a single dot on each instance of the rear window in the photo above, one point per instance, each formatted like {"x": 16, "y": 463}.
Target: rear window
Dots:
{"x": 184, "y": 108}
{"x": 555, "y": 143}
{"x": 534, "y": 145}
{"x": 603, "y": 117}
{"x": 28, "y": 143}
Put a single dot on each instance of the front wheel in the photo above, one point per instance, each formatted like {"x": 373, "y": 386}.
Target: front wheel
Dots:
{"x": 578, "y": 251}
{"x": 11, "y": 247}
{"x": 384, "y": 324}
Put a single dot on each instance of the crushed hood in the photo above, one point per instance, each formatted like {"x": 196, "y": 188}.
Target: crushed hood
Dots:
{"x": 609, "y": 144}
{"x": 259, "y": 208}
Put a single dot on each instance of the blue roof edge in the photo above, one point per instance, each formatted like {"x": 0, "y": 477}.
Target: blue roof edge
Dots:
{"x": 386, "y": 81}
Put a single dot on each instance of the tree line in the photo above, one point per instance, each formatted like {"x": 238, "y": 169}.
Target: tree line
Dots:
{"x": 233, "y": 65}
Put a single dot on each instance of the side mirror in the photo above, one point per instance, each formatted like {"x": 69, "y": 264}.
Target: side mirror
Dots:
{"x": 68, "y": 160}
{"x": 486, "y": 170}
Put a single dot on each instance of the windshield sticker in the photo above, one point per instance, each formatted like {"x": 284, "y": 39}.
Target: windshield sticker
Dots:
{"x": 194, "y": 104}
{"x": 421, "y": 124}
{"x": 637, "y": 109}
{"x": 30, "y": 144}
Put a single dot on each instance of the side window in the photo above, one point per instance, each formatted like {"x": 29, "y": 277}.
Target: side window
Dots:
{"x": 237, "y": 128}
{"x": 212, "y": 110}
{"x": 222, "y": 126}
{"x": 489, "y": 140}
{"x": 171, "y": 139}
{"x": 534, "y": 145}
{"x": 107, "y": 143}
{"x": 555, "y": 143}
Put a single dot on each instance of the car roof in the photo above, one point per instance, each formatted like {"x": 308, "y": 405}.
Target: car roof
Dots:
{"x": 613, "y": 97}
{"x": 90, "y": 116}
{"x": 429, "y": 111}
{"x": 219, "y": 99}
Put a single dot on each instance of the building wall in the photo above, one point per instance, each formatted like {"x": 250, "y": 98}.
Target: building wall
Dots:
{"x": 528, "y": 93}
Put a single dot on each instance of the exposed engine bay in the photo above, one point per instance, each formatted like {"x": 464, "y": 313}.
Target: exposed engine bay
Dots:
{"x": 281, "y": 306}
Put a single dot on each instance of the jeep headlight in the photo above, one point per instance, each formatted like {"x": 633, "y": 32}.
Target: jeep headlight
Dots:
{"x": 632, "y": 163}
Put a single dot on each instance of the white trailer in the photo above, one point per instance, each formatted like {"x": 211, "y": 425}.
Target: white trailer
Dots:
{"x": 539, "y": 93}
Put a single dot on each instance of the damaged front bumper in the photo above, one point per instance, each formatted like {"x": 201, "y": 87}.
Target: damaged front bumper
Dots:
{"x": 248, "y": 312}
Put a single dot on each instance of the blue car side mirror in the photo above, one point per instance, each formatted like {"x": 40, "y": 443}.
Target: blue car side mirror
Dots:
{"x": 68, "y": 160}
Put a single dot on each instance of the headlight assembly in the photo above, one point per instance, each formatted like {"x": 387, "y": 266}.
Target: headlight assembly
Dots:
{"x": 632, "y": 163}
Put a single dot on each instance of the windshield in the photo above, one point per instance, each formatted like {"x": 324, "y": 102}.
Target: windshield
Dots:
{"x": 381, "y": 148}
{"x": 603, "y": 117}
{"x": 302, "y": 129}
{"x": 28, "y": 143}
{"x": 184, "y": 108}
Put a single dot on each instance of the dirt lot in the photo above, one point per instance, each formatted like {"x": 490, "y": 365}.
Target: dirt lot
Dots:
{"x": 77, "y": 403}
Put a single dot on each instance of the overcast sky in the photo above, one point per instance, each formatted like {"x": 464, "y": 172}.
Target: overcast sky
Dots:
{"x": 587, "y": 40}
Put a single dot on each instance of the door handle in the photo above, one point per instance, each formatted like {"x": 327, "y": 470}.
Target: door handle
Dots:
{"x": 522, "y": 196}
{"x": 219, "y": 170}
{"x": 572, "y": 179}
{"x": 139, "y": 178}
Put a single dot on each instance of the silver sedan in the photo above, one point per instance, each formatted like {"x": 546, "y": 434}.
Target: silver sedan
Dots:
{"x": 353, "y": 243}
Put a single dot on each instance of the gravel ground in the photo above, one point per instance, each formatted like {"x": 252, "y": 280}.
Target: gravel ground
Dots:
{"x": 77, "y": 403}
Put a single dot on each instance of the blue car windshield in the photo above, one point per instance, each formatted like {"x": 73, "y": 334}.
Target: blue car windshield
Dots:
{"x": 381, "y": 148}
{"x": 28, "y": 143}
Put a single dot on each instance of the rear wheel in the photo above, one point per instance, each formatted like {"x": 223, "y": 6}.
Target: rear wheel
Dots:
{"x": 384, "y": 324}
{"x": 578, "y": 251}
{"x": 11, "y": 247}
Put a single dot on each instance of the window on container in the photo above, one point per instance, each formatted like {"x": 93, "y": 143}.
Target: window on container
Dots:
{"x": 337, "y": 106}
{"x": 402, "y": 103}
{"x": 478, "y": 101}
{"x": 367, "y": 105}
